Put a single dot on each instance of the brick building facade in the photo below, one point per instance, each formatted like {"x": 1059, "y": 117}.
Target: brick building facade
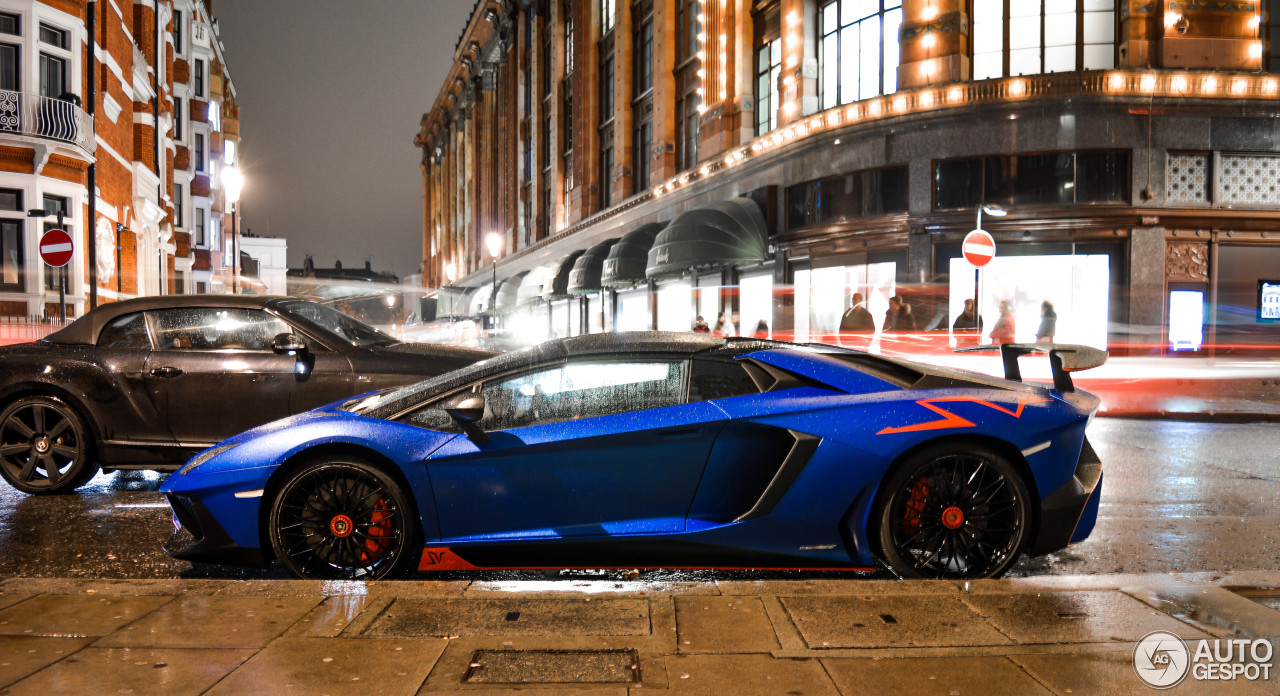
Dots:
{"x": 142, "y": 219}
{"x": 1131, "y": 143}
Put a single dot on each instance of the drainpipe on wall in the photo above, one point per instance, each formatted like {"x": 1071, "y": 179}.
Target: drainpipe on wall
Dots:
{"x": 92, "y": 226}
{"x": 155, "y": 142}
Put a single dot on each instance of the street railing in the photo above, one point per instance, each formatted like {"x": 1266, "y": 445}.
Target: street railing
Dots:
{"x": 27, "y": 329}
{"x": 46, "y": 117}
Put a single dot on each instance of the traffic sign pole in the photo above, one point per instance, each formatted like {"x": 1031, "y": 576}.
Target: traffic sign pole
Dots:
{"x": 56, "y": 249}
{"x": 978, "y": 249}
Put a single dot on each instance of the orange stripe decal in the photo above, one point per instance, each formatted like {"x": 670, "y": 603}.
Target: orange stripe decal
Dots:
{"x": 950, "y": 420}
{"x": 442, "y": 558}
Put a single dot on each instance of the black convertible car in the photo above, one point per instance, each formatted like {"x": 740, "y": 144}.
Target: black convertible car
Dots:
{"x": 147, "y": 383}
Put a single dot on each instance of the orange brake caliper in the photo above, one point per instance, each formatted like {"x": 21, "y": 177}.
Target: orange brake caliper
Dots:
{"x": 379, "y": 532}
{"x": 915, "y": 506}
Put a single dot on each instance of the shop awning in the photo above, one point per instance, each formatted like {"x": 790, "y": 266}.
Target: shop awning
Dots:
{"x": 531, "y": 286}
{"x": 585, "y": 276}
{"x": 557, "y": 286}
{"x": 508, "y": 292}
{"x": 723, "y": 233}
{"x": 625, "y": 264}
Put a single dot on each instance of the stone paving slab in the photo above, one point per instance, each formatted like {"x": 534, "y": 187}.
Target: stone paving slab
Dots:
{"x": 8, "y": 600}
{"x": 724, "y": 625}
{"x": 1108, "y": 673}
{"x": 747, "y": 675}
{"x": 1075, "y": 617}
{"x": 22, "y": 655}
{"x": 75, "y": 615}
{"x": 330, "y": 617}
{"x": 513, "y": 617}
{"x": 134, "y": 671}
{"x": 932, "y": 676}
{"x": 213, "y": 622}
{"x": 890, "y": 621}
{"x": 451, "y": 669}
{"x": 308, "y": 666}
{"x": 113, "y": 587}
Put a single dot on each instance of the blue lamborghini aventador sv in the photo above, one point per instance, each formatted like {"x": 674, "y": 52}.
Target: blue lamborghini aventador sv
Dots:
{"x": 660, "y": 450}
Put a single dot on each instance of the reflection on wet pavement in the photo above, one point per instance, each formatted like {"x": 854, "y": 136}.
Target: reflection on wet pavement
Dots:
{"x": 1178, "y": 497}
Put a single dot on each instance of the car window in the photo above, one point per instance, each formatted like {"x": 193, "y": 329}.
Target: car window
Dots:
{"x": 433, "y": 415}
{"x": 718, "y": 379}
{"x": 128, "y": 331}
{"x": 350, "y": 330}
{"x": 581, "y": 390}
{"x": 214, "y": 328}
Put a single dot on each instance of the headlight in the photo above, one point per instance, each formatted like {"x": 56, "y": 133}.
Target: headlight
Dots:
{"x": 204, "y": 457}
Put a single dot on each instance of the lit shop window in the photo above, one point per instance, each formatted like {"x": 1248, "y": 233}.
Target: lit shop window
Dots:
{"x": 675, "y": 306}
{"x": 858, "y": 56}
{"x": 756, "y": 304}
{"x": 1186, "y": 319}
{"x": 1029, "y": 37}
{"x": 633, "y": 311}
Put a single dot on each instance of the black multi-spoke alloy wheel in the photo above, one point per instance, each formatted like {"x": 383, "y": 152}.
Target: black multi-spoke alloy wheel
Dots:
{"x": 44, "y": 446}
{"x": 960, "y": 511}
{"x": 343, "y": 519}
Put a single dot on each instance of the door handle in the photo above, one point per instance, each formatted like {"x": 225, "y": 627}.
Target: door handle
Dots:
{"x": 682, "y": 434}
{"x": 166, "y": 371}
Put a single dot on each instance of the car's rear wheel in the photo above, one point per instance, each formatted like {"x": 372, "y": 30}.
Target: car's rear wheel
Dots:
{"x": 44, "y": 446}
{"x": 342, "y": 518}
{"x": 953, "y": 512}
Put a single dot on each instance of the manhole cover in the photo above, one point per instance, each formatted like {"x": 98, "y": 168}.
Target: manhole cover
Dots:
{"x": 553, "y": 667}
{"x": 1268, "y": 597}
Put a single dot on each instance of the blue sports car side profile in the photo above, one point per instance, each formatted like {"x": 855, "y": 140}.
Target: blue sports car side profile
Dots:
{"x": 660, "y": 450}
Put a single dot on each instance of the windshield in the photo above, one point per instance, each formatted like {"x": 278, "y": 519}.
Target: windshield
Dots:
{"x": 354, "y": 332}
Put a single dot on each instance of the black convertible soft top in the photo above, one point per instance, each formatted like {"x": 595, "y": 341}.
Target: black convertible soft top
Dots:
{"x": 84, "y": 331}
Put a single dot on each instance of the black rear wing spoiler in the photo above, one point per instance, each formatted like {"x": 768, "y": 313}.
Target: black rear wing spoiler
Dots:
{"x": 1064, "y": 359}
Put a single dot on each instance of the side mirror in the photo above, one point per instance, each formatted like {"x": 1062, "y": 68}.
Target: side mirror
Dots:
{"x": 288, "y": 343}
{"x": 466, "y": 414}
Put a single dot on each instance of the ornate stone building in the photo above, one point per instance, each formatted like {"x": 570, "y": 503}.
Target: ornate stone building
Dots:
{"x": 641, "y": 162}
{"x": 155, "y": 68}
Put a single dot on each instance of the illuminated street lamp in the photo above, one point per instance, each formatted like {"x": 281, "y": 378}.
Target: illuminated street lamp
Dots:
{"x": 450, "y": 272}
{"x": 232, "y": 182}
{"x": 493, "y": 241}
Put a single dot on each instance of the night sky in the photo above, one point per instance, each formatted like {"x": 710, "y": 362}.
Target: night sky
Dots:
{"x": 331, "y": 93}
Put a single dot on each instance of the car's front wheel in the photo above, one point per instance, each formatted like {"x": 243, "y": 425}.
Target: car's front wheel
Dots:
{"x": 44, "y": 446}
{"x": 341, "y": 518}
{"x": 953, "y": 512}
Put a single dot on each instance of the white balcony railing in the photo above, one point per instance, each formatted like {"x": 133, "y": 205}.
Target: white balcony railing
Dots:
{"x": 45, "y": 117}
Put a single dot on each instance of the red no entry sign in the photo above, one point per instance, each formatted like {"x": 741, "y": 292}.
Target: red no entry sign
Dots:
{"x": 56, "y": 248}
{"x": 979, "y": 248}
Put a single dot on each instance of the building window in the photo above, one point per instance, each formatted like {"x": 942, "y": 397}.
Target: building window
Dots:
{"x": 53, "y": 66}
{"x": 1029, "y": 37}
{"x": 1041, "y": 179}
{"x": 199, "y": 231}
{"x": 178, "y": 195}
{"x": 1272, "y": 36}
{"x": 608, "y": 15}
{"x": 644, "y": 53}
{"x": 606, "y": 172}
{"x": 848, "y": 197}
{"x": 199, "y": 152}
{"x": 199, "y": 76}
{"x": 606, "y": 80}
{"x": 858, "y": 53}
{"x": 177, "y": 118}
{"x": 643, "y": 153}
{"x": 177, "y": 32}
{"x": 9, "y": 73}
{"x": 10, "y": 24}
{"x": 229, "y": 153}
{"x": 768, "y": 70}
{"x": 12, "y": 257}
{"x": 53, "y": 36}
{"x": 688, "y": 102}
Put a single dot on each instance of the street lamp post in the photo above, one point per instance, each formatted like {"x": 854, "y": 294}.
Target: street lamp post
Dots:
{"x": 994, "y": 211}
{"x": 493, "y": 241}
{"x": 450, "y": 273}
{"x": 232, "y": 182}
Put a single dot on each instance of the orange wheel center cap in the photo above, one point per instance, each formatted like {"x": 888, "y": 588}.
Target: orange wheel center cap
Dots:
{"x": 341, "y": 526}
{"x": 952, "y": 517}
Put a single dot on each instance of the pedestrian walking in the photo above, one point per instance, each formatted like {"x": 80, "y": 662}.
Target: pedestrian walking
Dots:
{"x": 700, "y": 325}
{"x": 1005, "y": 329}
{"x": 1048, "y": 323}
{"x": 857, "y": 319}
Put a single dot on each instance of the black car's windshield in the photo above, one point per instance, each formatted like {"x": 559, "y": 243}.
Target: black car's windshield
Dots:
{"x": 354, "y": 332}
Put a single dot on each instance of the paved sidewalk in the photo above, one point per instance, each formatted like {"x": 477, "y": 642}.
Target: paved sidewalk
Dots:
{"x": 1060, "y": 635}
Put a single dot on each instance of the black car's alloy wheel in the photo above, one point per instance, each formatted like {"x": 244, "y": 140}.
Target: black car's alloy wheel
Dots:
{"x": 953, "y": 514}
{"x": 341, "y": 519}
{"x": 44, "y": 446}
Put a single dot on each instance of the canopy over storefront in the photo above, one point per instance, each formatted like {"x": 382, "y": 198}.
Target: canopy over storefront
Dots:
{"x": 509, "y": 292}
{"x": 585, "y": 276}
{"x": 625, "y": 264}
{"x": 557, "y": 286}
{"x": 531, "y": 287}
{"x": 723, "y": 233}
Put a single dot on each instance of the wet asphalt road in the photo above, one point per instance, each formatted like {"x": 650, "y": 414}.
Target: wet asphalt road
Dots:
{"x": 1178, "y": 497}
